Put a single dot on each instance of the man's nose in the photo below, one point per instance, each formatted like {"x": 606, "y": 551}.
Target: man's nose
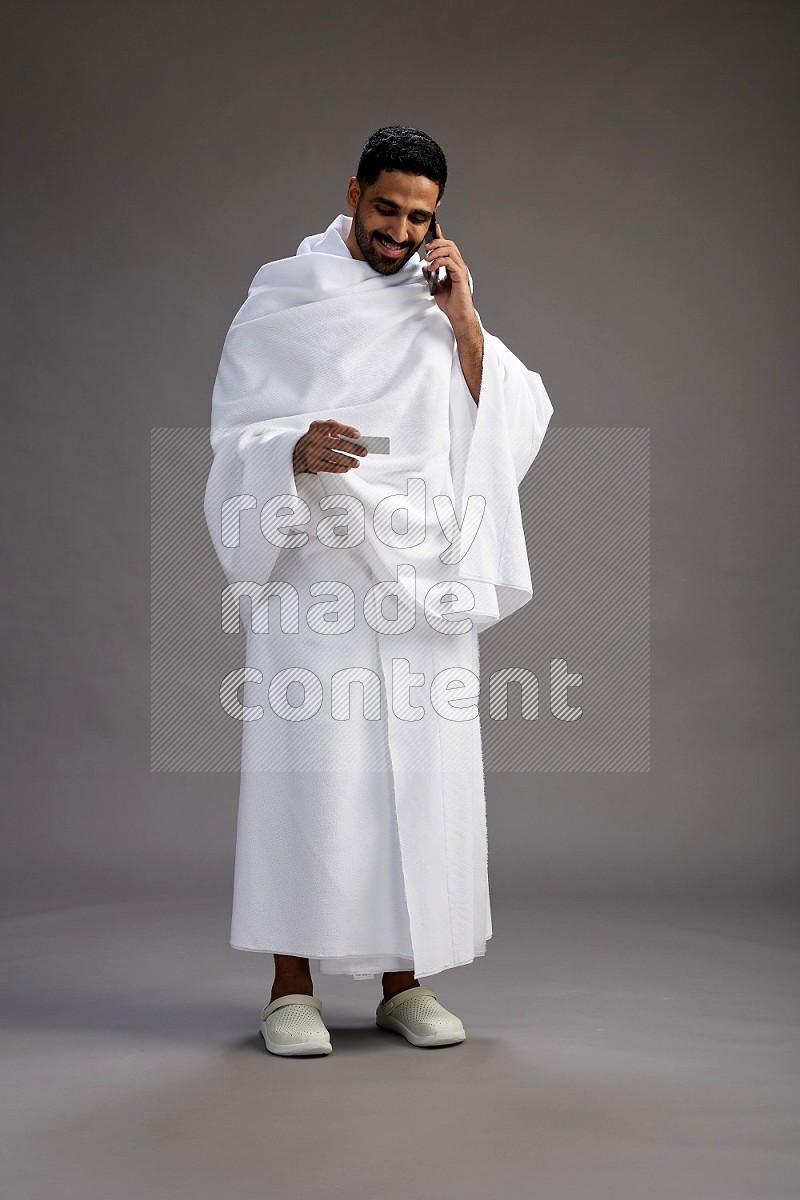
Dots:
{"x": 398, "y": 231}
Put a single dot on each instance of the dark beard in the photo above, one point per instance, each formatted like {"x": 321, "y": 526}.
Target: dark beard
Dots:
{"x": 370, "y": 248}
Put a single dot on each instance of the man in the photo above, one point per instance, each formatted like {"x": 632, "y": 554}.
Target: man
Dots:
{"x": 361, "y": 834}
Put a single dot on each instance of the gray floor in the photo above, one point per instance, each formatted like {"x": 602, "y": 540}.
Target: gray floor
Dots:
{"x": 612, "y": 1051}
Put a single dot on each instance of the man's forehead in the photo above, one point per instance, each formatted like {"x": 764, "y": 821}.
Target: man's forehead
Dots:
{"x": 412, "y": 192}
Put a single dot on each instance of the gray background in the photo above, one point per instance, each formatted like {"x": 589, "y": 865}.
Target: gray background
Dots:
{"x": 622, "y": 186}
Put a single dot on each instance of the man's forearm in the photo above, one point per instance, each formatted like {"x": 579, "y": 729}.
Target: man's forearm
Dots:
{"x": 470, "y": 354}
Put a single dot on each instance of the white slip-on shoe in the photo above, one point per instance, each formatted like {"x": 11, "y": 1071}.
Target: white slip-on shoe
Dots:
{"x": 292, "y": 1025}
{"x": 418, "y": 1015}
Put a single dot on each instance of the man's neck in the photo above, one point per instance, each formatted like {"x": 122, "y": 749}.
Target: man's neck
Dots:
{"x": 352, "y": 244}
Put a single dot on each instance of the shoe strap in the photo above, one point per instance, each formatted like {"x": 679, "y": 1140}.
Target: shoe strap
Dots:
{"x": 422, "y": 990}
{"x": 292, "y": 998}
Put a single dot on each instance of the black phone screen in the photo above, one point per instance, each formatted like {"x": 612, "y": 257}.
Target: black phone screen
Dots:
{"x": 429, "y": 236}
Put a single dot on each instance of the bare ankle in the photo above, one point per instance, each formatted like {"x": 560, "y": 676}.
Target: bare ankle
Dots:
{"x": 398, "y": 981}
{"x": 292, "y": 974}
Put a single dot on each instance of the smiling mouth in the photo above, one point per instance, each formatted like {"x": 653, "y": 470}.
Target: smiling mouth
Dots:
{"x": 390, "y": 248}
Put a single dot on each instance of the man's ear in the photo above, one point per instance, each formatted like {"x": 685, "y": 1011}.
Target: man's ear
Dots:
{"x": 353, "y": 194}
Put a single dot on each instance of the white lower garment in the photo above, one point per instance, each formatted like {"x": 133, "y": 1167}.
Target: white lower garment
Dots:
{"x": 361, "y": 844}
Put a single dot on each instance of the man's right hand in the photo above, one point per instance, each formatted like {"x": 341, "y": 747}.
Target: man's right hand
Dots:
{"x": 322, "y": 448}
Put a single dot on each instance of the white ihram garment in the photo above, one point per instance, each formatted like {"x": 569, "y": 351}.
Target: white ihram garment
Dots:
{"x": 361, "y": 835}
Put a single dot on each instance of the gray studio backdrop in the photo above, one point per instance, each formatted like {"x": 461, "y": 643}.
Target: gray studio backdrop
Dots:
{"x": 622, "y": 188}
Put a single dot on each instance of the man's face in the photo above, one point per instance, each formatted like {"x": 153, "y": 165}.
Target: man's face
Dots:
{"x": 390, "y": 218}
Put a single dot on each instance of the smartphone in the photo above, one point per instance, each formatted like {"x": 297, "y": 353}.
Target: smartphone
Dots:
{"x": 429, "y": 236}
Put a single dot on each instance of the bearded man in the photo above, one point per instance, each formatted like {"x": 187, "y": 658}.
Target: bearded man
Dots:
{"x": 369, "y": 439}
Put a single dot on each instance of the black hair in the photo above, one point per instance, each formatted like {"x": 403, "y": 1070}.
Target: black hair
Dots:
{"x": 397, "y": 148}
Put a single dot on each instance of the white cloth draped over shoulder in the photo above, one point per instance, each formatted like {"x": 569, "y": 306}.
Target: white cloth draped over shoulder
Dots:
{"x": 323, "y": 335}
{"x": 362, "y": 843}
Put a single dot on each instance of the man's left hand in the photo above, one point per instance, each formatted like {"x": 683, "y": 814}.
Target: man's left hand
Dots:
{"x": 452, "y": 291}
